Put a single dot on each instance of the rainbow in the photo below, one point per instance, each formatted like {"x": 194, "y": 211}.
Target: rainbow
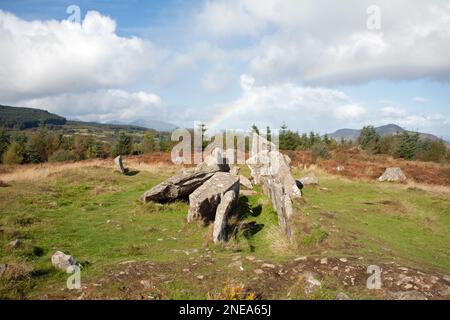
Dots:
{"x": 227, "y": 112}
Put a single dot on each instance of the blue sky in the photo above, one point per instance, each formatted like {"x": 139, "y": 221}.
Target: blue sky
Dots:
{"x": 315, "y": 65}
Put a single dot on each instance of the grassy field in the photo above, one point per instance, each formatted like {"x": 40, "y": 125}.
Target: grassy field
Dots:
{"x": 133, "y": 251}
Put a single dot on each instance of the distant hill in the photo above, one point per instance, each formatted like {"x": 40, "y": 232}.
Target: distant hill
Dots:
{"x": 157, "y": 125}
{"x": 353, "y": 134}
{"x": 26, "y": 118}
{"x": 17, "y": 118}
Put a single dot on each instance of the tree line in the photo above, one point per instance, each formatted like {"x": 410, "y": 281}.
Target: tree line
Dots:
{"x": 44, "y": 145}
{"x": 405, "y": 145}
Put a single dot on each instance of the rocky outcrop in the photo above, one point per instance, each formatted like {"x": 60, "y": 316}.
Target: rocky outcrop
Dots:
{"x": 393, "y": 175}
{"x": 119, "y": 165}
{"x": 62, "y": 261}
{"x": 203, "y": 202}
{"x": 180, "y": 186}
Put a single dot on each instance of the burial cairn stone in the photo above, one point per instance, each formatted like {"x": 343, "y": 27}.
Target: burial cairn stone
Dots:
{"x": 180, "y": 186}
{"x": 214, "y": 201}
{"x": 271, "y": 168}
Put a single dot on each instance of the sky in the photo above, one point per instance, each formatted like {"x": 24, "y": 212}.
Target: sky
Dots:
{"x": 312, "y": 64}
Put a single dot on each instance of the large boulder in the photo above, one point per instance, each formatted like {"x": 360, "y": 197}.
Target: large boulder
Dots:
{"x": 179, "y": 186}
{"x": 203, "y": 202}
{"x": 393, "y": 175}
{"x": 63, "y": 261}
{"x": 309, "y": 179}
{"x": 226, "y": 206}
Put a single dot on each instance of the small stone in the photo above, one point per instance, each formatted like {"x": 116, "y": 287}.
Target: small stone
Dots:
{"x": 324, "y": 261}
{"x": 409, "y": 295}
{"x": 311, "y": 283}
{"x": 200, "y": 277}
{"x": 185, "y": 270}
{"x": 408, "y": 286}
{"x": 250, "y": 258}
{"x": 146, "y": 284}
{"x": 343, "y": 260}
{"x": 62, "y": 261}
{"x": 14, "y": 244}
{"x": 2, "y": 268}
{"x": 335, "y": 268}
{"x": 342, "y": 296}
{"x": 301, "y": 259}
{"x": 268, "y": 266}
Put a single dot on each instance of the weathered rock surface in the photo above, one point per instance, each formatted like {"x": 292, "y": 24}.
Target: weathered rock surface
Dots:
{"x": 393, "y": 175}
{"x": 235, "y": 170}
{"x": 179, "y": 186}
{"x": 119, "y": 164}
{"x": 281, "y": 202}
{"x": 271, "y": 168}
{"x": 274, "y": 164}
{"x": 311, "y": 284}
{"x": 342, "y": 296}
{"x": 205, "y": 199}
{"x": 227, "y": 204}
{"x": 62, "y": 261}
{"x": 309, "y": 179}
{"x": 246, "y": 182}
{"x": 408, "y": 295}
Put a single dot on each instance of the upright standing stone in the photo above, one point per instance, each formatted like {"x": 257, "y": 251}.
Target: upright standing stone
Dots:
{"x": 119, "y": 164}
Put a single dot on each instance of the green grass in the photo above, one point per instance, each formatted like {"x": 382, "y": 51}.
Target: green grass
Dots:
{"x": 94, "y": 215}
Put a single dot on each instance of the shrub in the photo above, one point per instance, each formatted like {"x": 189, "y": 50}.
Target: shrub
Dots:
{"x": 320, "y": 150}
{"x": 13, "y": 154}
{"x": 62, "y": 155}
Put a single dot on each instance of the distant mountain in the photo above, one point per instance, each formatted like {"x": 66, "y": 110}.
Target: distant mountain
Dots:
{"x": 353, "y": 134}
{"x": 26, "y": 118}
{"x": 18, "y": 118}
{"x": 157, "y": 125}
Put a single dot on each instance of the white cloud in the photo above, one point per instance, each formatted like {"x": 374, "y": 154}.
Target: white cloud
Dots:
{"x": 305, "y": 108}
{"x": 421, "y": 100}
{"x": 42, "y": 58}
{"x": 325, "y": 42}
{"x": 102, "y": 105}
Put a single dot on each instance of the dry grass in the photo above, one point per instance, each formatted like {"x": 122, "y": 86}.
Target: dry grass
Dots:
{"x": 278, "y": 241}
{"x": 35, "y": 172}
{"x": 232, "y": 291}
{"x": 359, "y": 165}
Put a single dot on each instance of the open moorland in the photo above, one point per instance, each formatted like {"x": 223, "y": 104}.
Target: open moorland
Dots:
{"x": 130, "y": 250}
